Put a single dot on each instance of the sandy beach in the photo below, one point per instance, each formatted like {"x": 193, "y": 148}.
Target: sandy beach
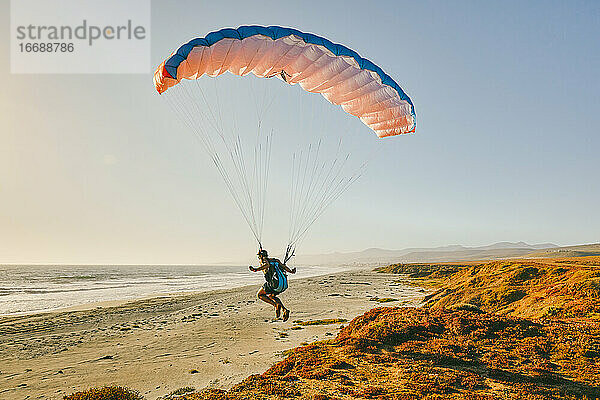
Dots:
{"x": 157, "y": 345}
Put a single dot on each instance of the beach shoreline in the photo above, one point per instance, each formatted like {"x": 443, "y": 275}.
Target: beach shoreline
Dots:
{"x": 158, "y": 344}
{"x": 81, "y": 287}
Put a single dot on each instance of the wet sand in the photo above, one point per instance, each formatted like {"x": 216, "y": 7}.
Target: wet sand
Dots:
{"x": 160, "y": 344}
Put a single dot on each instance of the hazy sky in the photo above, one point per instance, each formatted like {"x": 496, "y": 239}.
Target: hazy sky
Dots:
{"x": 94, "y": 169}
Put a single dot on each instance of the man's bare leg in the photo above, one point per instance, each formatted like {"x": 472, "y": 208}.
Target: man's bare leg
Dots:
{"x": 286, "y": 312}
{"x": 262, "y": 295}
{"x": 279, "y": 304}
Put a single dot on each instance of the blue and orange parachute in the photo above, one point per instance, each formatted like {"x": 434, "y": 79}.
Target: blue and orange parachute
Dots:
{"x": 342, "y": 76}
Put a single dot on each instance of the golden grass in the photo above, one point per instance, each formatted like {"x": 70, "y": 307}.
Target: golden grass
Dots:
{"x": 105, "y": 393}
{"x": 327, "y": 321}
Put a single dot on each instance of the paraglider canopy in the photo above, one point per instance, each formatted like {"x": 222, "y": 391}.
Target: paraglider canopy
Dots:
{"x": 341, "y": 75}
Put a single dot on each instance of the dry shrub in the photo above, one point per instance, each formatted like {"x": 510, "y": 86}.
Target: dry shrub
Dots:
{"x": 105, "y": 393}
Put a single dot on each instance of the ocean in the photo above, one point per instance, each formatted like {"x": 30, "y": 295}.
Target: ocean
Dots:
{"x": 37, "y": 288}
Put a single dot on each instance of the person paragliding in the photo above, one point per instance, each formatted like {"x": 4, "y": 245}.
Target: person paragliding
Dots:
{"x": 275, "y": 282}
{"x": 318, "y": 177}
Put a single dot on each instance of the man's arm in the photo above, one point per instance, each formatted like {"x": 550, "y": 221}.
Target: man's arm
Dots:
{"x": 287, "y": 269}
{"x": 260, "y": 268}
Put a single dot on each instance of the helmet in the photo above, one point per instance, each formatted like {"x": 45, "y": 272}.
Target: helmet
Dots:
{"x": 263, "y": 253}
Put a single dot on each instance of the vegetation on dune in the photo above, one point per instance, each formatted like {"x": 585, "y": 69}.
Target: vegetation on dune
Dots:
{"x": 549, "y": 289}
{"x": 518, "y": 329}
{"x": 421, "y": 270}
{"x": 326, "y": 321}
{"x": 176, "y": 394}
{"x": 105, "y": 393}
{"x": 383, "y": 299}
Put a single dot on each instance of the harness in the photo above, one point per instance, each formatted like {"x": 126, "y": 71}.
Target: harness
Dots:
{"x": 275, "y": 277}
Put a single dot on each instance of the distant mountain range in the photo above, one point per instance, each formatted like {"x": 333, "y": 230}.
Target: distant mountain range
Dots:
{"x": 435, "y": 254}
{"x": 568, "y": 251}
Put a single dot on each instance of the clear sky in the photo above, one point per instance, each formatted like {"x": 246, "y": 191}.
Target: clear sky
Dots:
{"x": 93, "y": 169}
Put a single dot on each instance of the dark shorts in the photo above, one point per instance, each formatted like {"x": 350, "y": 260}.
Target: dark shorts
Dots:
{"x": 269, "y": 290}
